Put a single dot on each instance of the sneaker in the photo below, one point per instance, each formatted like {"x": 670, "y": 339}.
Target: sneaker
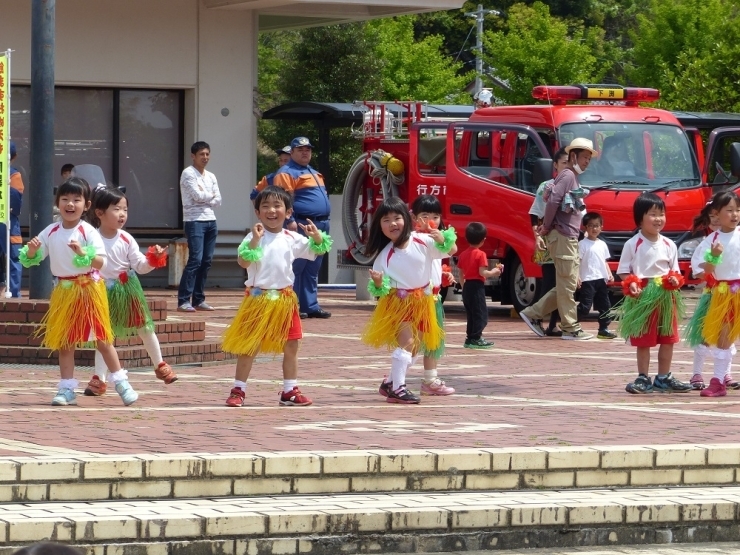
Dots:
{"x": 127, "y": 393}
{"x": 579, "y": 335}
{"x": 64, "y": 397}
{"x": 730, "y": 383}
{"x": 163, "y": 372}
{"x": 606, "y": 334}
{"x": 641, "y": 384}
{"x": 96, "y": 387}
{"x": 236, "y": 398}
{"x": 697, "y": 382}
{"x": 403, "y": 396}
{"x": 479, "y": 343}
{"x": 554, "y": 332}
{"x": 534, "y": 325}
{"x": 669, "y": 384}
{"x": 294, "y": 398}
{"x": 385, "y": 387}
{"x": 436, "y": 387}
{"x": 185, "y": 307}
{"x": 714, "y": 389}
{"x": 204, "y": 306}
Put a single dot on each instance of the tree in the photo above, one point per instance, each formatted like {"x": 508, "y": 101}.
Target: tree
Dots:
{"x": 537, "y": 49}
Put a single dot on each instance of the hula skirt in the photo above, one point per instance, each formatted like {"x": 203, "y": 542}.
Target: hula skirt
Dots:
{"x": 401, "y": 308}
{"x": 128, "y": 309}
{"x": 439, "y": 313}
{"x": 633, "y": 314}
{"x": 718, "y": 307}
{"x": 262, "y": 323}
{"x": 78, "y": 314}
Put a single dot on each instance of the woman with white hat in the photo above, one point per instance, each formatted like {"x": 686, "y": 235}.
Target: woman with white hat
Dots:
{"x": 560, "y": 230}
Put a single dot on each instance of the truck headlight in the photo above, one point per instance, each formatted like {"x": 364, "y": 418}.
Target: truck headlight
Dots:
{"x": 687, "y": 248}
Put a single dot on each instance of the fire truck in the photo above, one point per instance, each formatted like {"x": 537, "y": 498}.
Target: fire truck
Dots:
{"x": 488, "y": 168}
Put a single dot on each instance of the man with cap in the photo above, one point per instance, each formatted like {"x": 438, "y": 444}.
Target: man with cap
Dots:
{"x": 310, "y": 202}
{"x": 560, "y": 228}
{"x": 16, "y": 241}
{"x": 283, "y": 156}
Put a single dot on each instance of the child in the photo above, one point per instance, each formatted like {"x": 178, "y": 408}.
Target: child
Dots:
{"x": 594, "y": 273}
{"x": 78, "y": 308}
{"x": 128, "y": 309}
{"x": 715, "y": 322}
{"x": 267, "y": 320}
{"x": 473, "y": 264}
{"x": 427, "y": 214}
{"x": 405, "y": 318}
{"x": 652, "y": 303}
{"x": 542, "y": 255}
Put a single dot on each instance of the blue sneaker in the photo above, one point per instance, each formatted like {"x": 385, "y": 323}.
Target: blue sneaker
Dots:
{"x": 127, "y": 393}
{"x": 669, "y": 384}
{"x": 642, "y": 384}
{"x": 64, "y": 397}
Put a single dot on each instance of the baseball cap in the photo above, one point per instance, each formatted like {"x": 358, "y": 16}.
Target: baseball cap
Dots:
{"x": 300, "y": 141}
{"x": 13, "y": 151}
{"x": 284, "y": 150}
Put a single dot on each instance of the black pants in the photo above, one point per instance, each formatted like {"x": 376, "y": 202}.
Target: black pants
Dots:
{"x": 595, "y": 293}
{"x": 476, "y": 308}
{"x": 548, "y": 282}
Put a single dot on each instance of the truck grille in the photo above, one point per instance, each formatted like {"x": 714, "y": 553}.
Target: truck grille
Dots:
{"x": 615, "y": 240}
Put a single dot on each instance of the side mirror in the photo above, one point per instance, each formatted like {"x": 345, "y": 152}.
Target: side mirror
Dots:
{"x": 735, "y": 159}
{"x": 542, "y": 170}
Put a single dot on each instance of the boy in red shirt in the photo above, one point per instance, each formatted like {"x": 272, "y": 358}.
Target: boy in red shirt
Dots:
{"x": 473, "y": 265}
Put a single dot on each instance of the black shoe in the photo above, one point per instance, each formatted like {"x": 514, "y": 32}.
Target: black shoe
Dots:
{"x": 385, "y": 388}
{"x": 606, "y": 334}
{"x": 641, "y": 384}
{"x": 403, "y": 396}
{"x": 479, "y": 343}
{"x": 669, "y": 384}
{"x": 303, "y": 315}
{"x": 554, "y": 332}
{"x": 320, "y": 313}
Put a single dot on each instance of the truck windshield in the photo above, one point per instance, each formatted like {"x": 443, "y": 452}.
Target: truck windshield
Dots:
{"x": 636, "y": 156}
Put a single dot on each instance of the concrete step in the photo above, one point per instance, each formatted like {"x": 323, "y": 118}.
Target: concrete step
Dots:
{"x": 382, "y": 523}
{"x": 85, "y": 477}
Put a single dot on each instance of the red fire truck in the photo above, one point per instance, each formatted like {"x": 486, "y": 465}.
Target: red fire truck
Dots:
{"x": 488, "y": 168}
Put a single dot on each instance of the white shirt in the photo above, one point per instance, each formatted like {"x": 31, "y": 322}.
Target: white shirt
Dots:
{"x": 436, "y": 277}
{"x": 410, "y": 268}
{"x": 200, "y": 194}
{"x": 593, "y": 255}
{"x": 729, "y": 268}
{"x": 275, "y": 269}
{"x": 647, "y": 259}
{"x": 55, "y": 244}
{"x": 123, "y": 255}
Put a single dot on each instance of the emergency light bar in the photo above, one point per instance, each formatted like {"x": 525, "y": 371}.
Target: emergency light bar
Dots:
{"x": 561, "y": 94}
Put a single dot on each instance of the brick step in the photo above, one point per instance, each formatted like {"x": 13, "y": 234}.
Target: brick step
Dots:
{"x": 372, "y": 523}
{"x": 87, "y": 477}
{"x": 32, "y": 311}
{"x": 21, "y": 335}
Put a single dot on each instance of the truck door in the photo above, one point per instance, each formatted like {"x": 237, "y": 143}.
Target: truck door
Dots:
{"x": 718, "y": 170}
{"x": 428, "y": 161}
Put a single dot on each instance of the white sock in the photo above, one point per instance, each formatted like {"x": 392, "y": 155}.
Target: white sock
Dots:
{"x": 119, "y": 376}
{"x": 430, "y": 375}
{"x": 288, "y": 385}
{"x": 151, "y": 344}
{"x": 400, "y": 361}
{"x": 70, "y": 383}
{"x": 101, "y": 368}
{"x": 240, "y": 385}
{"x": 700, "y": 355}
{"x": 722, "y": 362}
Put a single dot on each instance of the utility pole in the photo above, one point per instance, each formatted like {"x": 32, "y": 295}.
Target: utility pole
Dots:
{"x": 479, "y": 15}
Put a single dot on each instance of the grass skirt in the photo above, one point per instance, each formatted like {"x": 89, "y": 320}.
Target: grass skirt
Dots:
{"x": 128, "y": 309}
{"x": 440, "y": 315}
{"x": 78, "y": 315}
{"x": 694, "y": 330}
{"x": 399, "y": 308}
{"x": 633, "y": 313}
{"x": 262, "y": 323}
{"x": 723, "y": 310}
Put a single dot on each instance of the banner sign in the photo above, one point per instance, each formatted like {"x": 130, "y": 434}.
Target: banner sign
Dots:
{"x": 4, "y": 140}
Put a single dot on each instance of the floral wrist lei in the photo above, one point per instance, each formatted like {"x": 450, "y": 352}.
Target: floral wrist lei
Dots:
{"x": 383, "y": 290}
{"x": 660, "y": 281}
{"x": 250, "y": 254}
{"x": 85, "y": 260}
{"x": 155, "y": 259}
{"x": 450, "y": 237}
{"x": 27, "y": 261}
{"x": 709, "y": 258}
{"x": 322, "y": 247}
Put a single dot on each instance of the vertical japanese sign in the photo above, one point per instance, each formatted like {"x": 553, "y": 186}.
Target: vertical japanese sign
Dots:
{"x": 4, "y": 141}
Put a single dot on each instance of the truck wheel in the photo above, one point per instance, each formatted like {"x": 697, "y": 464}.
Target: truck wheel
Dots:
{"x": 523, "y": 291}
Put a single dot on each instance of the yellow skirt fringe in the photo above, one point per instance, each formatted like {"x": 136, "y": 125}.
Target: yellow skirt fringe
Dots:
{"x": 78, "y": 315}
{"x": 724, "y": 310}
{"x": 262, "y": 323}
{"x": 393, "y": 313}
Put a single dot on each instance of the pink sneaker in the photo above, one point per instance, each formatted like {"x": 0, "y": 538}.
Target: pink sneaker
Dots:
{"x": 436, "y": 387}
{"x": 730, "y": 383}
{"x": 715, "y": 389}
{"x": 697, "y": 382}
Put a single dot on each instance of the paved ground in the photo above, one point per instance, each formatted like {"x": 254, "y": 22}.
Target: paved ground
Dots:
{"x": 526, "y": 391}
{"x": 685, "y": 549}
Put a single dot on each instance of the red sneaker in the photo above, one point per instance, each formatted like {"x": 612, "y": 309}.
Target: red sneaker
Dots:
{"x": 715, "y": 389}
{"x": 294, "y": 398}
{"x": 165, "y": 373}
{"x": 236, "y": 398}
{"x": 96, "y": 387}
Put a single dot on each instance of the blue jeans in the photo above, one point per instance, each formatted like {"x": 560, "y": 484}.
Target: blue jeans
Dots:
{"x": 306, "y": 283}
{"x": 14, "y": 280}
{"x": 201, "y": 238}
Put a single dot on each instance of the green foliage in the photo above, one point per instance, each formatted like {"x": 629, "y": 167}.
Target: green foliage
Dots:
{"x": 537, "y": 49}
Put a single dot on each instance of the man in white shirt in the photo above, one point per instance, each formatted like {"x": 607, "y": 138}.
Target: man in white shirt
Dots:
{"x": 200, "y": 194}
